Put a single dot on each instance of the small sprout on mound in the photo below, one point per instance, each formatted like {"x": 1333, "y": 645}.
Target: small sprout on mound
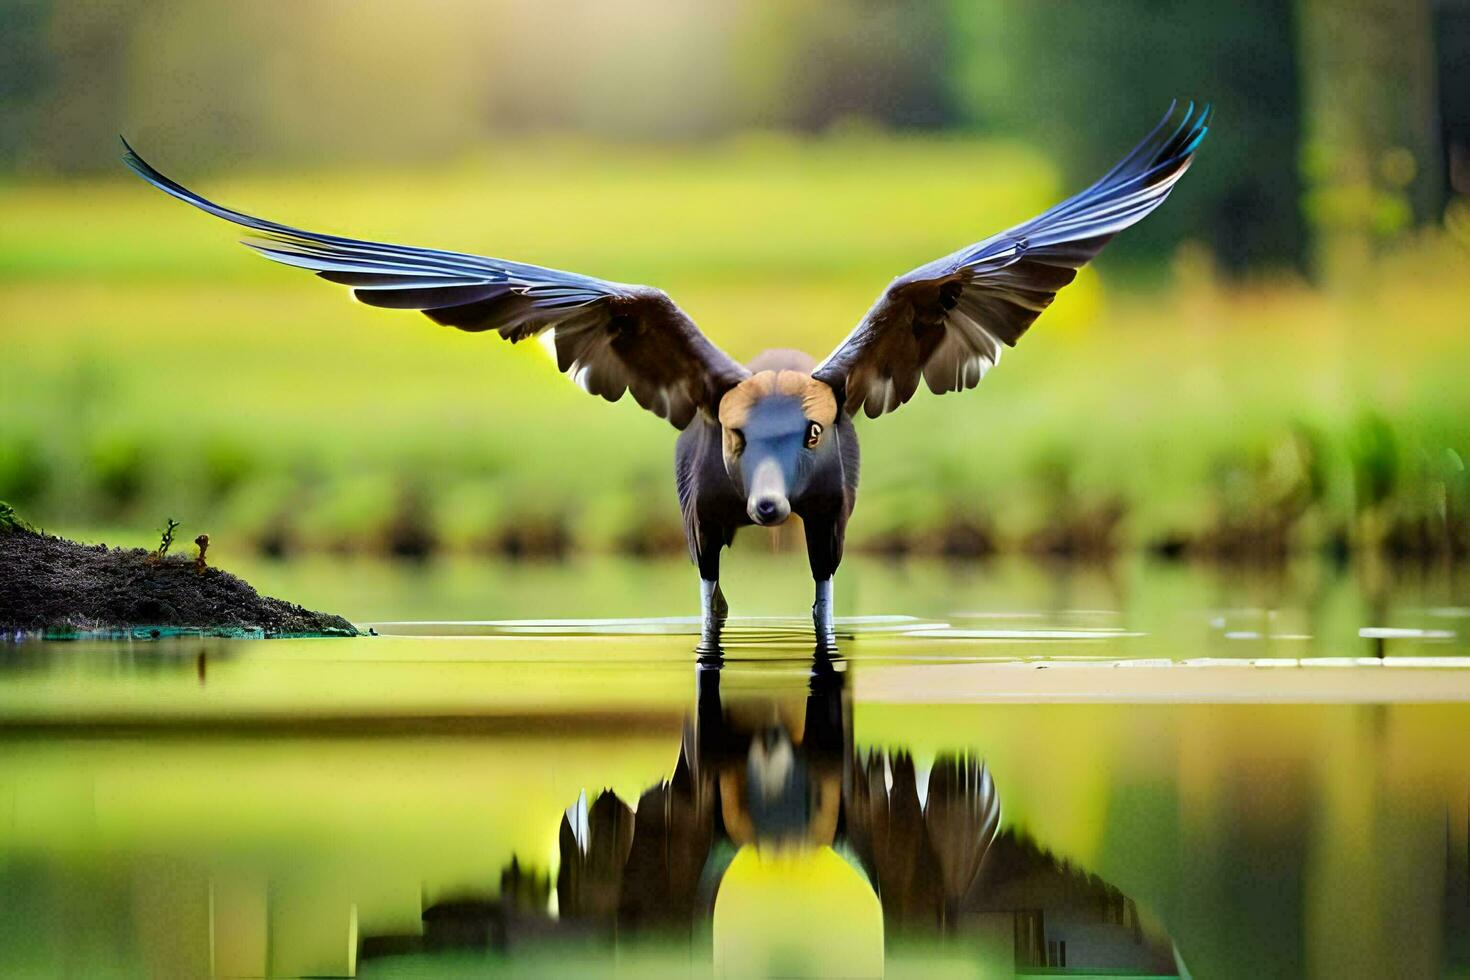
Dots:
{"x": 203, "y": 542}
{"x": 165, "y": 540}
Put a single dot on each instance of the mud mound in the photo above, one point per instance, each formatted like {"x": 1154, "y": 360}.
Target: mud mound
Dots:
{"x": 51, "y": 584}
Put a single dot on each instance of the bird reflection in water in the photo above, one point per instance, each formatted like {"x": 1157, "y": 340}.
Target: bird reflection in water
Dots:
{"x": 778, "y": 847}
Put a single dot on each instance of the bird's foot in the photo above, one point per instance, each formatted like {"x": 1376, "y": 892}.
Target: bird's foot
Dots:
{"x": 822, "y": 622}
{"x": 713, "y": 611}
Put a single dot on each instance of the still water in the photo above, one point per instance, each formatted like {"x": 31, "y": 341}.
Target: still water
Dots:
{"x": 1001, "y": 771}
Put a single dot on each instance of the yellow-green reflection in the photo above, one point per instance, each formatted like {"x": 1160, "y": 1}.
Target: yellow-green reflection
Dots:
{"x": 537, "y": 803}
{"x": 797, "y": 913}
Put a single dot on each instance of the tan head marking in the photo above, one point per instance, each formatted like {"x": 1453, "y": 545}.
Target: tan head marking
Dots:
{"x": 817, "y": 401}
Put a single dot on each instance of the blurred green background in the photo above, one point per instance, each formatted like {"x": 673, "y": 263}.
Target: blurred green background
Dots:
{"x": 1273, "y": 363}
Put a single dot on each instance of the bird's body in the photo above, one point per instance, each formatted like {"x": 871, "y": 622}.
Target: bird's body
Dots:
{"x": 776, "y": 438}
{"x": 778, "y": 475}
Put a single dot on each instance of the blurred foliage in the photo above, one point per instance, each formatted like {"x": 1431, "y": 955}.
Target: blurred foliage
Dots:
{"x": 1371, "y": 154}
{"x": 771, "y": 165}
{"x": 1081, "y": 79}
{"x": 809, "y": 66}
{"x": 154, "y": 367}
{"x": 1375, "y": 456}
{"x": 1327, "y": 114}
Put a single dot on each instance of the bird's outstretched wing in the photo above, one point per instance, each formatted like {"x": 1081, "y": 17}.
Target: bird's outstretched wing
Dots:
{"x": 947, "y": 320}
{"x": 610, "y": 337}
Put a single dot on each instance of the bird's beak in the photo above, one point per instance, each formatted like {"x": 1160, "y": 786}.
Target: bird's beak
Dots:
{"x": 767, "y": 504}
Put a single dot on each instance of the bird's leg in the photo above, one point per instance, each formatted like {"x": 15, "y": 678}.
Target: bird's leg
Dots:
{"x": 713, "y": 609}
{"x": 822, "y": 612}
{"x": 712, "y": 613}
{"x": 712, "y": 604}
{"x": 824, "y": 552}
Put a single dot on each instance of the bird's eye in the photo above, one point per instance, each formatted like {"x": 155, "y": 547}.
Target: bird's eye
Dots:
{"x": 813, "y": 434}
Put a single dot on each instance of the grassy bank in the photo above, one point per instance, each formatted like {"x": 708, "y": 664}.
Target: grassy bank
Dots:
{"x": 152, "y": 368}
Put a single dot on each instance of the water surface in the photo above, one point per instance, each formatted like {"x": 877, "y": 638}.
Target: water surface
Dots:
{"x": 1001, "y": 771}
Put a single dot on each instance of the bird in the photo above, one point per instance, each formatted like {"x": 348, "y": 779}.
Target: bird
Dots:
{"x": 761, "y": 441}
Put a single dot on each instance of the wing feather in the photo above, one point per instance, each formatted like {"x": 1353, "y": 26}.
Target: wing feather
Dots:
{"x": 949, "y": 320}
{"x": 612, "y": 338}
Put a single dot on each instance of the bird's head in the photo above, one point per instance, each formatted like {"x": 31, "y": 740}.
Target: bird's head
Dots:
{"x": 777, "y": 427}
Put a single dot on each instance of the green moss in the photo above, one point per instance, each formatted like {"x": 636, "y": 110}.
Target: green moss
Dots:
{"x": 10, "y": 521}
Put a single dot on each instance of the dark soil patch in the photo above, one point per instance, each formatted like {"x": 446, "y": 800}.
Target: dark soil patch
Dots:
{"x": 54, "y": 585}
